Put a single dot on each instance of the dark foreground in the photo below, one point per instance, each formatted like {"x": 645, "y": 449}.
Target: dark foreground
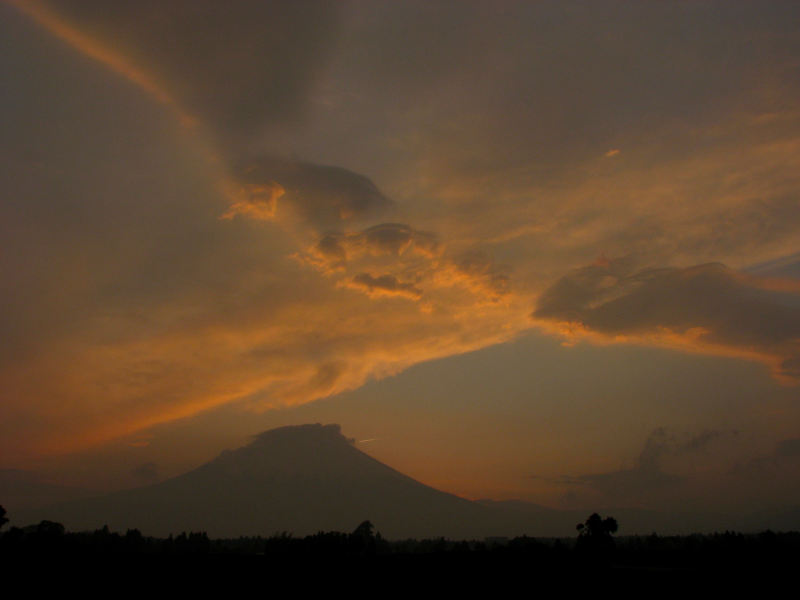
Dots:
{"x": 362, "y": 557}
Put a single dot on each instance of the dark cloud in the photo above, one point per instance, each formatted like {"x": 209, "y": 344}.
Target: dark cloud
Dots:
{"x": 237, "y": 66}
{"x": 323, "y": 196}
{"x": 710, "y": 306}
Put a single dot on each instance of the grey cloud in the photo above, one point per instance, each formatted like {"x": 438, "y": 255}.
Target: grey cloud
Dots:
{"x": 648, "y": 474}
{"x": 655, "y": 447}
{"x": 725, "y": 308}
{"x": 628, "y": 483}
{"x": 787, "y": 266}
{"x": 559, "y": 80}
{"x": 237, "y": 66}
{"x": 650, "y": 482}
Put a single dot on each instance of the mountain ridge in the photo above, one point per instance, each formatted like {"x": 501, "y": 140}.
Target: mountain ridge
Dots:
{"x": 302, "y": 479}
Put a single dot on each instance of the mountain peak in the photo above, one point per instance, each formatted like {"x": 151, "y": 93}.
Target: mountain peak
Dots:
{"x": 310, "y": 431}
{"x": 294, "y": 448}
{"x": 303, "y": 479}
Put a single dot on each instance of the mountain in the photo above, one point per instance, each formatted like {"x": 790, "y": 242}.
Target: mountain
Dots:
{"x": 310, "y": 478}
{"x": 299, "y": 479}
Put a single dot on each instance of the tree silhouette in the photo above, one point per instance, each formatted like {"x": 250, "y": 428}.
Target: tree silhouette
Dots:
{"x": 597, "y": 527}
{"x": 594, "y": 535}
{"x": 3, "y": 518}
{"x": 362, "y": 540}
{"x": 364, "y": 530}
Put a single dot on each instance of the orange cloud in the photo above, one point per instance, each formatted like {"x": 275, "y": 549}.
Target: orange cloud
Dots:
{"x": 289, "y": 356}
{"x": 395, "y": 240}
{"x": 383, "y": 285}
{"x": 410, "y": 262}
{"x": 256, "y": 201}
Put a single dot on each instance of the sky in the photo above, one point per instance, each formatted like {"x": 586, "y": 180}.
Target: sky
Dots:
{"x": 546, "y": 251}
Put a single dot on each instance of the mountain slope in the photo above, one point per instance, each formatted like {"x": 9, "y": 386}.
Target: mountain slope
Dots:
{"x": 299, "y": 479}
{"x": 310, "y": 478}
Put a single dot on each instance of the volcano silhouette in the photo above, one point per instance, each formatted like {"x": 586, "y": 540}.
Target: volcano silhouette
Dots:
{"x": 300, "y": 480}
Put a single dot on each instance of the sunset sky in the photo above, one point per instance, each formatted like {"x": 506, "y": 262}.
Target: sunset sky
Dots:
{"x": 535, "y": 250}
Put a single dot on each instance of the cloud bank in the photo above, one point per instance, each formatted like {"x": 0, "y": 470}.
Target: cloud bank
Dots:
{"x": 708, "y": 308}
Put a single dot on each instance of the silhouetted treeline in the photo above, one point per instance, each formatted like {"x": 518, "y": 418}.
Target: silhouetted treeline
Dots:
{"x": 49, "y": 538}
{"x": 767, "y": 550}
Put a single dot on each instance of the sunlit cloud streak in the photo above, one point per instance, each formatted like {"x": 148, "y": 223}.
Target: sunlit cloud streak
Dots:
{"x": 102, "y": 53}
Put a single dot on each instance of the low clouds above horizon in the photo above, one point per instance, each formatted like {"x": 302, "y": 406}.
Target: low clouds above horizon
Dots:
{"x": 678, "y": 469}
{"x": 372, "y": 185}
